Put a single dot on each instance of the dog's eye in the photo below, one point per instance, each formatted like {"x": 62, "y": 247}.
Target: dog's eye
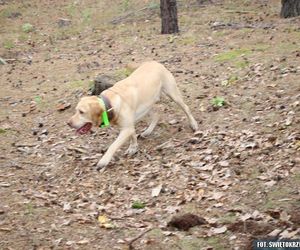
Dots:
{"x": 81, "y": 112}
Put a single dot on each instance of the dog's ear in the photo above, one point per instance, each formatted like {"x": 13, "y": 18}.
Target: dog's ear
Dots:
{"x": 96, "y": 112}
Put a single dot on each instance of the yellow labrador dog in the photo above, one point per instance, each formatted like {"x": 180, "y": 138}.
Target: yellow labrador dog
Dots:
{"x": 127, "y": 102}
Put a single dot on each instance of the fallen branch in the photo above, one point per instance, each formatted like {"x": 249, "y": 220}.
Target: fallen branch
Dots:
{"x": 130, "y": 247}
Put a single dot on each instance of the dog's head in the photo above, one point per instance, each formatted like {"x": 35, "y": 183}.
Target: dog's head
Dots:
{"x": 88, "y": 114}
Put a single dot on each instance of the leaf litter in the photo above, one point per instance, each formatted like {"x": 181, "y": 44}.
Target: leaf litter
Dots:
{"x": 245, "y": 153}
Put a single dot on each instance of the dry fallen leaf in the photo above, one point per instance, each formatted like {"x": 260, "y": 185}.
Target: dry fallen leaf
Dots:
{"x": 223, "y": 163}
{"x": 102, "y": 219}
{"x": 274, "y": 233}
{"x": 217, "y": 195}
{"x": 245, "y": 217}
{"x": 218, "y": 230}
{"x": 287, "y": 234}
{"x": 108, "y": 225}
{"x": 156, "y": 191}
{"x": 67, "y": 207}
{"x": 284, "y": 216}
{"x": 63, "y": 106}
{"x": 200, "y": 194}
{"x": 83, "y": 242}
{"x": 220, "y": 204}
{"x": 105, "y": 222}
{"x": 270, "y": 183}
{"x": 172, "y": 209}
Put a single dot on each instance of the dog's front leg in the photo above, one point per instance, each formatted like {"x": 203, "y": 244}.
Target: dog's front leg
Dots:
{"x": 121, "y": 139}
{"x": 133, "y": 147}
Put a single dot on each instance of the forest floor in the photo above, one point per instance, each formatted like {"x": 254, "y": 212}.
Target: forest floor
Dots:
{"x": 240, "y": 171}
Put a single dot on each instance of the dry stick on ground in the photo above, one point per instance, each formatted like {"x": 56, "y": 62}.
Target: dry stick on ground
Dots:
{"x": 138, "y": 237}
{"x": 34, "y": 163}
{"x": 121, "y": 18}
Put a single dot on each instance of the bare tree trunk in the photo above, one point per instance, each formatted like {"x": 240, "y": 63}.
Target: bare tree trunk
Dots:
{"x": 290, "y": 8}
{"x": 169, "y": 22}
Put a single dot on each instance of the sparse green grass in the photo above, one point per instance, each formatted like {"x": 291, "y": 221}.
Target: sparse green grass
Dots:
{"x": 23, "y": 37}
{"x": 218, "y": 101}
{"x": 29, "y": 209}
{"x": 275, "y": 195}
{"x": 8, "y": 44}
{"x": 228, "y": 218}
{"x": 38, "y": 99}
{"x": 189, "y": 243}
{"x": 246, "y": 30}
{"x": 231, "y": 55}
{"x": 232, "y": 79}
{"x": 123, "y": 73}
{"x": 41, "y": 103}
{"x": 86, "y": 15}
{"x": 153, "y": 5}
{"x": 241, "y": 64}
{"x": 67, "y": 32}
{"x": 2, "y": 131}
{"x": 157, "y": 233}
{"x": 27, "y": 27}
{"x": 217, "y": 243}
{"x": 261, "y": 47}
{"x": 125, "y": 5}
{"x": 138, "y": 205}
{"x": 221, "y": 33}
{"x": 71, "y": 9}
{"x": 78, "y": 84}
{"x": 188, "y": 40}
{"x": 5, "y": 13}
{"x": 286, "y": 47}
{"x": 193, "y": 243}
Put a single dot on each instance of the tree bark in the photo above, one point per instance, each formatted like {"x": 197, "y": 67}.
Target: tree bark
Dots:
{"x": 169, "y": 22}
{"x": 290, "y": 8}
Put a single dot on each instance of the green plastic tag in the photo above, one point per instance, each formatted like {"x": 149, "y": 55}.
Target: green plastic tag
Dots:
{"x": 105, "y": 121}
{"x": 104, "y": 117}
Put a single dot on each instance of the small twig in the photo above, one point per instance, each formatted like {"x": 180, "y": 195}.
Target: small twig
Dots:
{"x": 11, "y": 59}
{"x": 25, "y": 144}
{"x": 138, "y": 237}
{"x": 239, "y": 11}
{"x": 33, "y": 163}
{"x": 77, "y": 149}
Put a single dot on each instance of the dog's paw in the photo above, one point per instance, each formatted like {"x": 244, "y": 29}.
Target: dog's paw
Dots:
{"x": 101, "y": 164}
{"x": 194, "y": 126}
{"x": 131, "y": 150}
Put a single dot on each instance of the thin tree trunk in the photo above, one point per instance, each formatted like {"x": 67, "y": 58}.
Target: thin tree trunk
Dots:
{"x": 169, "y": 22}
{"x": 290, "y": 8}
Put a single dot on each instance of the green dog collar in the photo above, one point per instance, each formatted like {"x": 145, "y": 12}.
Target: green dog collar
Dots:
{"x": 104, "y": 117}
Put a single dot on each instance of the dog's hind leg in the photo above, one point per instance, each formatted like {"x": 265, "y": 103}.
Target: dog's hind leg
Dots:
{"x": 170, "y": 89}
{"x": 149, "y": 129}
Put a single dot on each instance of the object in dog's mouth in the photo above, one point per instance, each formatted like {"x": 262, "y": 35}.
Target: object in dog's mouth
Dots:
{"x": 84, "y": 129}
